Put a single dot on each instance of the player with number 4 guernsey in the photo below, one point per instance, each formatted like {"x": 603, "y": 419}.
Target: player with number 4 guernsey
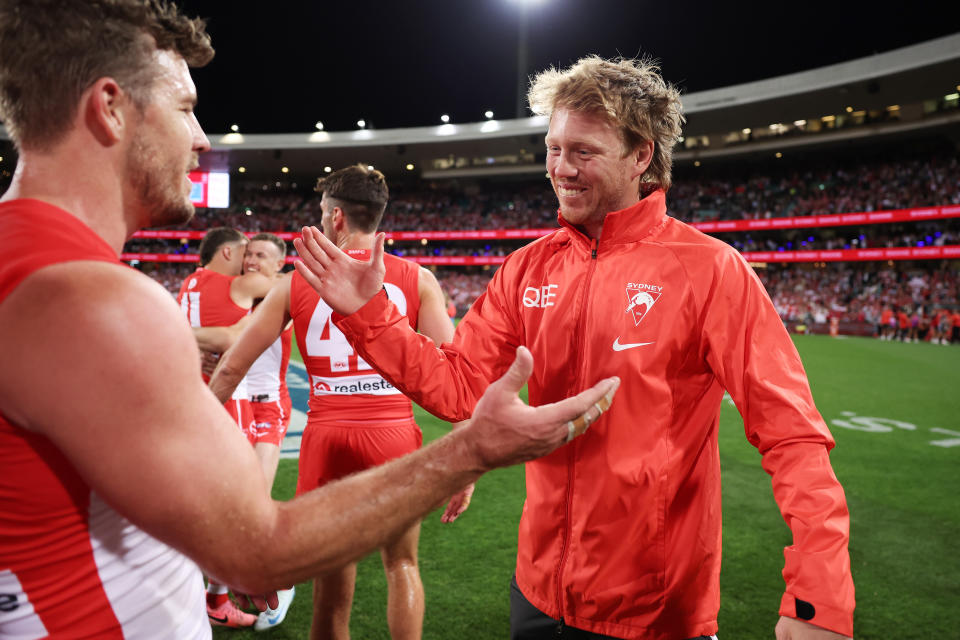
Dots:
{"x": 356, "y": 419}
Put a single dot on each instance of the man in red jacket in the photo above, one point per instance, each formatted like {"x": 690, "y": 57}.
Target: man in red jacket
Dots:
{"x": 620, "y": 533}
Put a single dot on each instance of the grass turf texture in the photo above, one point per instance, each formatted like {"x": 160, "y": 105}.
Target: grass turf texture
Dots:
{"x": 902, "y": 492}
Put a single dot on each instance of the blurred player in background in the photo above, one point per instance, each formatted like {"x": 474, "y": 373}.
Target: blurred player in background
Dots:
{"x": 131, "y": 472}
{"x": 218, "y": 294}
{"x": 356, "y": 419}
{"x": 266, "y": 384}
{"x": 621, "y": 530}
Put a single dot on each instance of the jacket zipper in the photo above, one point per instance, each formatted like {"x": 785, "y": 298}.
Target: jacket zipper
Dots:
{"x": 573, "y": 445}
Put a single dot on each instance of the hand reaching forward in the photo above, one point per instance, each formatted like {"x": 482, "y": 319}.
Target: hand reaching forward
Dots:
{"x": 505, "y": 431}
{"x": 457, "y": 504}
{"x": 344, "y": 283}
{"x": 793, "y": 629}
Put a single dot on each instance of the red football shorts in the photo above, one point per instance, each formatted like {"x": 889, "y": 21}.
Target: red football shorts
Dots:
{"x": 328, "y": 453}
{"x": 242, "y": 414}
{"x": 271, "y": 420}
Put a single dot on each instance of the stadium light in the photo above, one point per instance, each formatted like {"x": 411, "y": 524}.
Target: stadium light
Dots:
{"x": 319, "y": 126}
{"x": 410, "y": 166}
{"x": 234, "y": 128}
{"x": 284, "y": 169}
{"x": 361, "y": 123}
{"x": 445, "y": 118}
{"x": 522, "y": 28}
{"x": 242, "y": 169}
{"x": 488, "y": 114}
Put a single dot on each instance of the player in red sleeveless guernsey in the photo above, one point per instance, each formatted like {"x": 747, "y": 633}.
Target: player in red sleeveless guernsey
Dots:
{"x": 217, "y": 295}
{"x": 357, "y": 420}
{"x": 114, "y": 490}
{"x": 266, "y": 383}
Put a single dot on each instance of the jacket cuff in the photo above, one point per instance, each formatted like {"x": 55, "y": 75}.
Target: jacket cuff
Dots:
{"x": 375, "y": 310}
{"x": 818, "y": 613}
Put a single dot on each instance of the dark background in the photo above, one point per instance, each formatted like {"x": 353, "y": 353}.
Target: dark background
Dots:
{"x": 281, "y": 66}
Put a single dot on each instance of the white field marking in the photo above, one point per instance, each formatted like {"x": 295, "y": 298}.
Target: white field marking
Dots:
{"x": 950, "y": 442}
{"x": 873, "y": 424}
{"x": 870, "y": 423}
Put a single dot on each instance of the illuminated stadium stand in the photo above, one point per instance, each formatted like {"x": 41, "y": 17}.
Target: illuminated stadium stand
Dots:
{"x": 907, "y": 97}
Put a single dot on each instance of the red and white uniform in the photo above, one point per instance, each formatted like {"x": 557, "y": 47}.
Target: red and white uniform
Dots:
{"x": 356, "y": 419}
{"x": 620, "y": 533}
{"x": 267, "y": 387}
{"x": 205, "y": 300}
{"x": 71, "y": 566}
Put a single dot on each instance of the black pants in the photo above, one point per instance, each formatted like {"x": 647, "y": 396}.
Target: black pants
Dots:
{"x": 529, "y": 623}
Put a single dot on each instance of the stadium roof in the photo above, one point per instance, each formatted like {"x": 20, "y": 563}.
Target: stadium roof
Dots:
{"x": 910, "y": 75}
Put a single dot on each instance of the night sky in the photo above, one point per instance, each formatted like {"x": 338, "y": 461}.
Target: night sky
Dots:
{"x": 281, "y": 66}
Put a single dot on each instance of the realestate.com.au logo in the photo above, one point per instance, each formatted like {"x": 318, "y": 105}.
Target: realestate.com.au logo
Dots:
{"x": 350, "y": 385}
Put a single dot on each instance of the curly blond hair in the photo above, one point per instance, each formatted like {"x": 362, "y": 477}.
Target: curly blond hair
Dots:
{"x": 629, "y": 93}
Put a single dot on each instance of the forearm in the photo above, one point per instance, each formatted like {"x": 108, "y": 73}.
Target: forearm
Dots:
{"x": 341, "y": 522}
{"x": 227, "y": 376}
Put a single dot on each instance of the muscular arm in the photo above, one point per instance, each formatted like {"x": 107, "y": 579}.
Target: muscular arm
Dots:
{"x": 249, "y": 287}
{"x": 265, "y": 325}
{"x": 433, "y": 321}
{"x": 134, "y": 418}
{"x": 219, "y": 339}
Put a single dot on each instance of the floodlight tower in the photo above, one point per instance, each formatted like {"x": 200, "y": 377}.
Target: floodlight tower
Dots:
{"x": 523, "y": 5}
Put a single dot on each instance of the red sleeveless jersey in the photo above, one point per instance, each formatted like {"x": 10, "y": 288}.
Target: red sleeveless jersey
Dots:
{"x": 71, "y": 566}
{"x": 343, "y": 388}
{"x": 205, "y": 299}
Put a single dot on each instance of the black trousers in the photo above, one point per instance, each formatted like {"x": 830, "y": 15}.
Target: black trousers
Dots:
{"x": 529, "y": 623}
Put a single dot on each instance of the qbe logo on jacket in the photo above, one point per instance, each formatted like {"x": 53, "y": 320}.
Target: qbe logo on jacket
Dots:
{"x": 640, "y": 299}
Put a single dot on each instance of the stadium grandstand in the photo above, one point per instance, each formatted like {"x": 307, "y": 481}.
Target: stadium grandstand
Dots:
{"x": 840, "y": 184}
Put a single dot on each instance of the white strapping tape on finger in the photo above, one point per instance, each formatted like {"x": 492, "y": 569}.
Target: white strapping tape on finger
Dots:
{"x": 579, "y": 425}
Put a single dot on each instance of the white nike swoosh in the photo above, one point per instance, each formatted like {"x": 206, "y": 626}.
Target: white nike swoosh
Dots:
{"x": 630, "y": 345}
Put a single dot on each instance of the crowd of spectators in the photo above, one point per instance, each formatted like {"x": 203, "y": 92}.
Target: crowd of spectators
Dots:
{"x": 855, "y": 293}
{"x": 859, "y": 294}
{"x": 699, "y": 194}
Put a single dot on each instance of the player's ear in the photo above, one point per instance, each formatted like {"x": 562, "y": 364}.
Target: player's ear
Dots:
{"x": 106, "y": 111}
{"x": 339, "y": 219}
{"x": 642, "y": 157}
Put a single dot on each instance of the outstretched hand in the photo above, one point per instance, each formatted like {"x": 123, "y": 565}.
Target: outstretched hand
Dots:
{"x": 344, "y": 283}
{"x": 506, "y": 431}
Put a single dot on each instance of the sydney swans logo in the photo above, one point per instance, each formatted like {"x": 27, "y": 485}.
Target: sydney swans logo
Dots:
{"x": 641, "y": 298}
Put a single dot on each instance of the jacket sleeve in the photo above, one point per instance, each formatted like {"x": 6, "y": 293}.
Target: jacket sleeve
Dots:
{"x": 753, "y": 357}
{"x": 448, "y": 380}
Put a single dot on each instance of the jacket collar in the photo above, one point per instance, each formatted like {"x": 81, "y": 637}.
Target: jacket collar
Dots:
{"x": 627, "y": 225}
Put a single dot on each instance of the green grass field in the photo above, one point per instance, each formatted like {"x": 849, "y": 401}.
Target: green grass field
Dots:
{"x": 902, "y": 487}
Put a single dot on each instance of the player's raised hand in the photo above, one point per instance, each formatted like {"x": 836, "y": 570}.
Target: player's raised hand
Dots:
{"x": 506, "y": 431}
{"x": 344, "y": 283}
